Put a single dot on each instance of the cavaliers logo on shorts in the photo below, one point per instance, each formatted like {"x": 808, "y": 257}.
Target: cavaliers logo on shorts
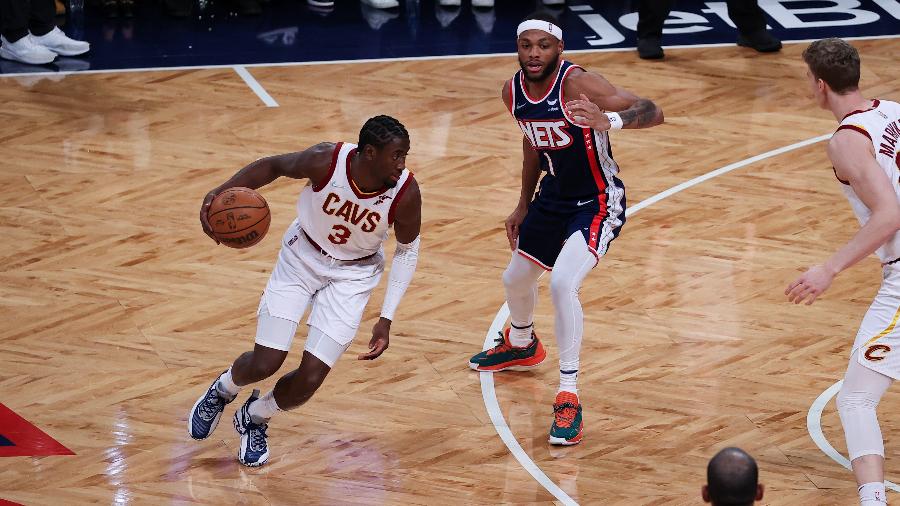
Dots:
{"x": 874, "y": 352}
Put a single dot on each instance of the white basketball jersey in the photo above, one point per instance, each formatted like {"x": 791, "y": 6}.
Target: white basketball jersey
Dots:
{"x": 341, "y": 219}
{"x": 881, "y": 124}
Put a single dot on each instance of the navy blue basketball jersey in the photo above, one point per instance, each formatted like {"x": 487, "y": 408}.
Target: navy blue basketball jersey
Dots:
{"x": 577, "y": 160}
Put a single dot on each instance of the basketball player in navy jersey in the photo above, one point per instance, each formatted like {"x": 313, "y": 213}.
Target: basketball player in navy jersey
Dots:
{"x": 331, "y": 259}
{"x": 565, "y": 113}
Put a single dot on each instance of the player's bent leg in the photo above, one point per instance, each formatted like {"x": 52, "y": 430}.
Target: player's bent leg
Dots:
{"x": 291, "y": 391}
{"x": 518, "y": 347}
{"x": 574, "y": 263}
{"x": 274, "y": 336}
{"x": 857, "y": 404}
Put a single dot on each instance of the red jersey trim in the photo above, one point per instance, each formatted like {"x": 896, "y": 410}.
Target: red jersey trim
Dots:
{"x": 562, "y": 98}
{"x": 855, "y": 128}
{"x": 512, "y": 98}
{"x": 334, "y": 159}
{"x": 397, "y": 198}
{"x": 839, "y": 179}
{"x": 359, "y": 193}
{"x": 875, "y": 103}
{"x": 590, "y": 145}
{"x": 549, "y": 89}
{"x": 534, "y": 260}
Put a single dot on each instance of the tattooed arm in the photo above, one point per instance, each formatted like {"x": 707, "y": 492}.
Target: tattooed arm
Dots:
{"x": 592, "y": 95}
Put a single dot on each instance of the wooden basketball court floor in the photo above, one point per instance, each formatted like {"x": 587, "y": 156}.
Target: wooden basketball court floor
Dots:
{"x": 117, "y": 311}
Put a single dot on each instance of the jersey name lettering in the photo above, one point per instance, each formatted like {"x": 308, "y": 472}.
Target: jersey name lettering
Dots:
{"x": 351, "y": 212}
{"x": 546, "y": 134}
{"x": 891, "y": 133}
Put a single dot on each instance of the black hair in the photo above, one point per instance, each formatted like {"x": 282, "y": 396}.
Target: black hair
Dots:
{"x": 542, "y": 15}
{"x": 380, "y": 131}
{"x": 732, "y": 478}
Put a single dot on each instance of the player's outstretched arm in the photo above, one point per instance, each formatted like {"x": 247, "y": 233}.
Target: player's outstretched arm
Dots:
{"x": 312, "y": 163}
{"x": 596, "y": 97}
{"x": 854, "y": 162}
{"x": 407, "y": 225}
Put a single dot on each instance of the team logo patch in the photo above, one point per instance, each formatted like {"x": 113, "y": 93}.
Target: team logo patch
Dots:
{"x": 875, "y": 348}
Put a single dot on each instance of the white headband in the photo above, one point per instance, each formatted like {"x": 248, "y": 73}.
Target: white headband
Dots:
{"x": 536, "y": 24}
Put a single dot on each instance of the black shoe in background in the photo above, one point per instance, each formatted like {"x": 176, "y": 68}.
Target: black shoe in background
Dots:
{"x": 762, "y": 41}
{"x": 650, "y": 49}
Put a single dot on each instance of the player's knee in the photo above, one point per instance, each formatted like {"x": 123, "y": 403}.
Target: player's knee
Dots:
{"x": 263, "y": 368}
{"x": 851, "y": 400}
{"x": 303, "y": 387}
{"x": 513, "y": 279}
{"x": 562, "y": 287}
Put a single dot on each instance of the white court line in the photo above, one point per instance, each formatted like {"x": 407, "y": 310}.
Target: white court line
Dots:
{"x": 489, "y": 394}
{"x": 403, "y": 59}
{"x": 493, "y": 409}
{"x": 814, "y": 427}
{"x": 255, "y": 86}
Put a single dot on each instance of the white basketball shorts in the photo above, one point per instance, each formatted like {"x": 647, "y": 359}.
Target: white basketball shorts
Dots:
{"x": 878, "y": 339}
{"x": 337, "y": 290}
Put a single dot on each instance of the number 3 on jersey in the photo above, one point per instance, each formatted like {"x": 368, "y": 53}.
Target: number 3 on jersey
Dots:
{"x": 339, "y": 235}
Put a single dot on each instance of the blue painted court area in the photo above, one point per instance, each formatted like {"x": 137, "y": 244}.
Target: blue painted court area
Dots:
{"x": 166, "y": 33}
{"x": 5, "y": 442}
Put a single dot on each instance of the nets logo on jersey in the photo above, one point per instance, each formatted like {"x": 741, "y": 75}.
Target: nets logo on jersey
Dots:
{"x": 546, "y": 134}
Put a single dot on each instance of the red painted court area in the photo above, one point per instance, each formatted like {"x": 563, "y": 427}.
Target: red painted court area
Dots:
{"x": 19, "y": 438}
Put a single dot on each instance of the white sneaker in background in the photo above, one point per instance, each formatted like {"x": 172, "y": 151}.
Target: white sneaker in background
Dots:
{"x": 321, "y": 3}
{"x": 57, "y": 41}
{"x": 25, "y": 50}
{"x": 484, "y": 4}
{"x": 554, "y": 2}
{"x": 449, "y": 3}
{"x": 382, "y": 4}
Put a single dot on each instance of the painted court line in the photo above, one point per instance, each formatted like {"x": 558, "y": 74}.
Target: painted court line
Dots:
{"x": 488, "y": 392}
{"x": 814, "y": 427}
{"x": 402, "y": 59}
{"x": 255, "y": 86}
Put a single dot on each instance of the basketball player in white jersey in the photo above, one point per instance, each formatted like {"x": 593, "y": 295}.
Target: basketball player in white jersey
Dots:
{"x": 565, "y": 114}
{"x": 864, "y": 153}
{"x": 331, "y": 259}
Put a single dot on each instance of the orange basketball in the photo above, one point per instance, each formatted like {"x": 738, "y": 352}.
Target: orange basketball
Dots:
{"x": 239, "y": 217}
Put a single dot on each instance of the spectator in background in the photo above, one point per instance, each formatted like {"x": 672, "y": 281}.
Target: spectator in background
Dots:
{"x": 28, "y": 33}
{"x": 732, "y": 479}
{"x": 746, "y": 14}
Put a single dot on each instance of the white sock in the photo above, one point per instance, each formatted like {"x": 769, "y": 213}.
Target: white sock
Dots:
{"x": 520, "y": 334}
{"x": 568, "y": 376}
{"x": 264, "y": 407}
{"x": 872, "y": 494}
{"x": 226, "y": 385}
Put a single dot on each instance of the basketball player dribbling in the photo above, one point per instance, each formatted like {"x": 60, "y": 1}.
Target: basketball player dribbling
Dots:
{"x": 864, "y": 154}
{"x": 331, "y": 259}
{"x": 578, "y": 211}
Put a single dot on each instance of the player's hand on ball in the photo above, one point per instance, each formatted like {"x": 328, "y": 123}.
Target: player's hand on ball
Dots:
{"x": 380, "y": 340}
{"x": 586, "y": 113}
{"x": 810, "y": 285}
{"x": 204, "y": 215}
{"x": 512, "y": 225}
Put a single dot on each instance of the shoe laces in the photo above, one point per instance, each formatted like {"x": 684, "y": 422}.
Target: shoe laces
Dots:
{"x": 257, "y": 435}
{"x": 565, "y": 412}
{"x": 500, "y": 345}
{"x": 211, "y": 406}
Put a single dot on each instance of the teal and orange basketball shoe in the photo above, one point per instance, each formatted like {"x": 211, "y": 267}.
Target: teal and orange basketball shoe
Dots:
{"x": 568, "y": 427}
{"x": 506, "y": 356}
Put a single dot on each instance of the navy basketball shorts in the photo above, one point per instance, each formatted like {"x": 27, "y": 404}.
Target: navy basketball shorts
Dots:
{"x": 548, "y": 225}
